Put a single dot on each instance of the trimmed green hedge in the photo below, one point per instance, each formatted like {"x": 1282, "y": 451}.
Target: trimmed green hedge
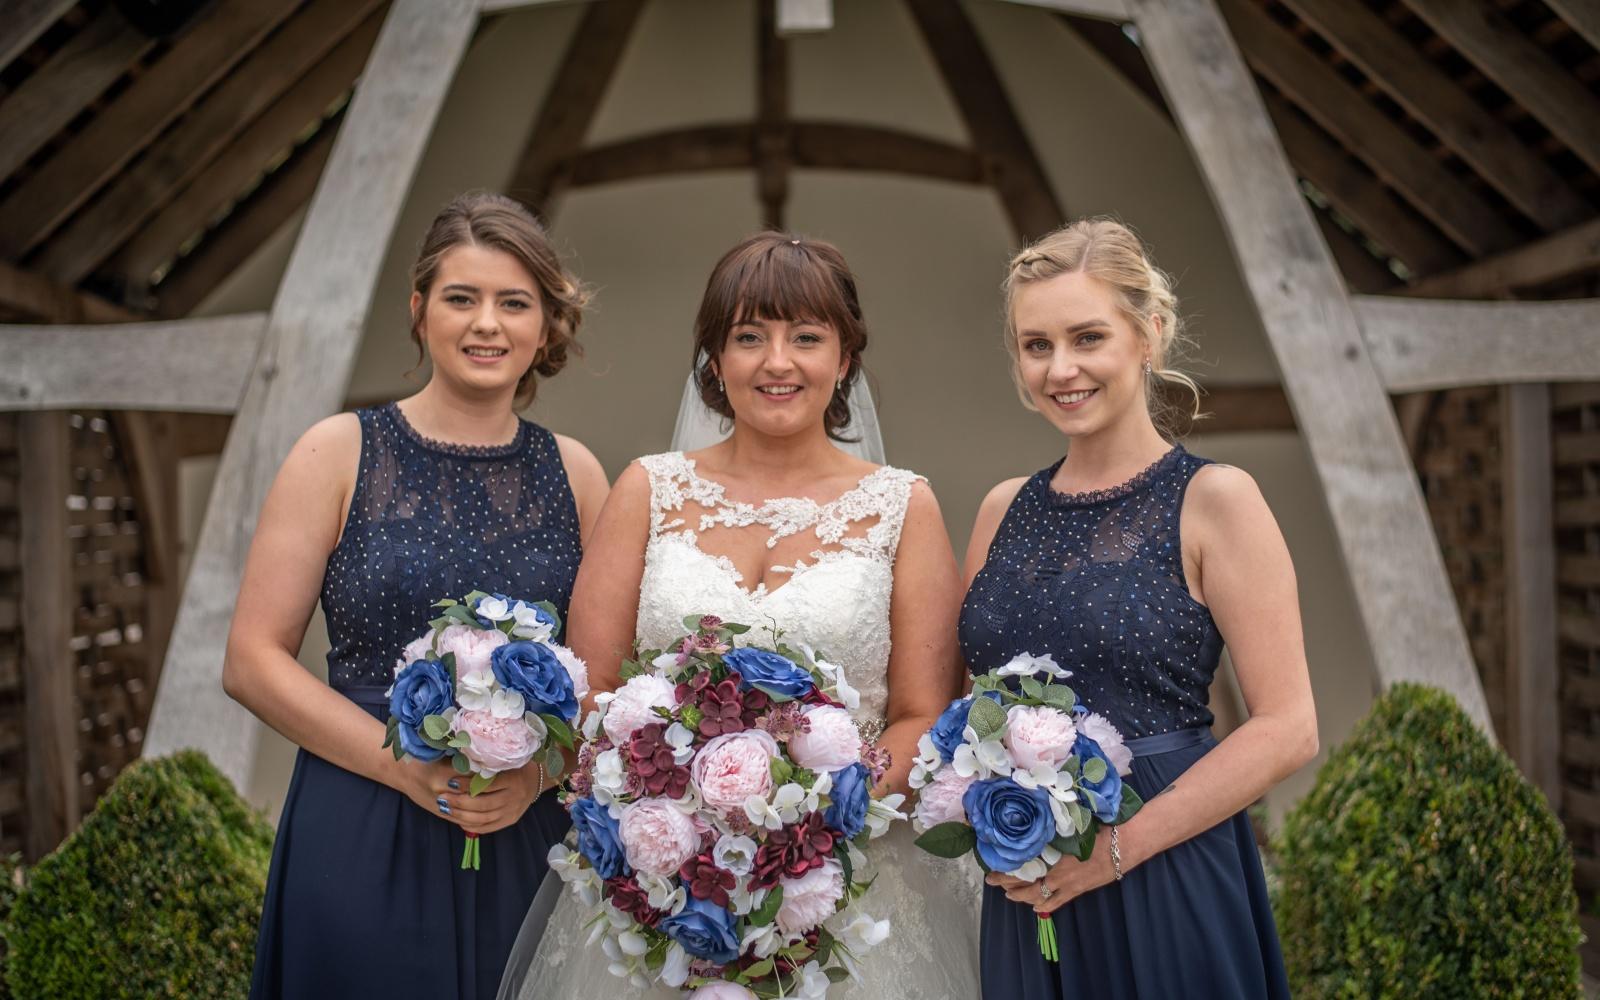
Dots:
{"x": 157, "y": 894}
{"x": 1423, "y": 865}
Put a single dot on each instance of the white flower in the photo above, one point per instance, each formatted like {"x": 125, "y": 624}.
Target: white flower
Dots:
{"x": 475, "y": 691}
{"x": 763, "y": 942}
{"x": 848, "y": 696}
{"x": 633, "y": 944}
{"x": 529, "y": 624}
{"x": 785, "y": 807}
{"x": 661, "y": 891}
{"x": 861, "y": 934}
{"x": 813, "y": 983}
{"x": 1030, "y": 871}
{"x": 504, "y": 704}
{"x": 736, "y": 854}
{"x": 882, "y": 812}
{"x": 591, "y": 725}
{"x": 675, "y": 969}
{"x": 985, "y": 760}
{"x": 743, "y": 899}
{"x": 576, "y": 669}
{"x": 1027, "y": 665}
{"x": 681, "y": 740}
{"x": 1038, "y": 776}
{"x": 608, "y": 776}
{"x": 494, "y": 608}
{"x": 1099, "y": 729}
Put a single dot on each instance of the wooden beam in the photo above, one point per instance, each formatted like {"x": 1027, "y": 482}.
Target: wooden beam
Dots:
{"x": 1527, "y": 505}
{"x": 59, "y": 90}
{"x": 1385, "y": 147}
{"x": 1362, "y": 271}
{"x": 575, "y": 94}
{"x": 1582, "y": 16}
{"x": 50, "y": 675}
{"x": 772, "y": 117}
{"x": 1243, "y": 409}
{"x": 250, "y": 223}
{"x": 1104, "y": 10}
{"x": 252, "y": 87}
{"x": 817, "y": 145}
{"x": 1396, "y": 571}
{"x": 1555, "y": 97}
{"x": 303, "y": 369}
{"x": 156, "y": 242}
{"x": 199, "y": 364}
{"x": 1568, "y": 253}
{"x": 1439, "y": 344}
{"x": 36, "y": 297}
{"x": 25, "y": 21}
{"x": 1406, "y": 75}
{"x": 148, "y": 442}
{"x": 1013, "y": 166}
{"x": 1362, "y": 198}
{"x": 209, "y": 46}
{"x": 796, "y": 16}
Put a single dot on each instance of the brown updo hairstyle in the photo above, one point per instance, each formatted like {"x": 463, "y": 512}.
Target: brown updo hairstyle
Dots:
{"x": 485, "y": 219}
{"x": 780, "y": 276}
{"x": 1106, "y": 249}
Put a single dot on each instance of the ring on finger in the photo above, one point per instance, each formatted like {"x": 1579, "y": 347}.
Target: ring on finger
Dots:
{"x": 1045, "y": 892}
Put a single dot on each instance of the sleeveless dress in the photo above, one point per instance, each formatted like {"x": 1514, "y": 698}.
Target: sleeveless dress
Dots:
{"x": 1097, "y": 580}
{"x": 838, "y": 602}
{"x": 366, "y": 896}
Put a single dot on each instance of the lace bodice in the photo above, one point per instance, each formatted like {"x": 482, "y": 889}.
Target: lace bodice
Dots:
{"x": 430, "y": 519}
{"x": 1096, "y": 580}
{"x": 835, "y": 597}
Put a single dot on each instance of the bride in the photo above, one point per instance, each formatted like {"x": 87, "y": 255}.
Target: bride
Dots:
{"x": 776, "y": 525}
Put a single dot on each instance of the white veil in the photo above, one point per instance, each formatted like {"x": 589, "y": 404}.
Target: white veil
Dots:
{"x": 698, "y": 427}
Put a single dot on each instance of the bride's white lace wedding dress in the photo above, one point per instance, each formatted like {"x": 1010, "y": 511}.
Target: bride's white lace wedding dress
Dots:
{"x": 837, "y": 601}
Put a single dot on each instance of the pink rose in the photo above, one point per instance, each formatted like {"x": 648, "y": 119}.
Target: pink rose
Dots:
{"x": 657, "y": 837}
{"x": 811, "y": 898}
{"x": 939, "y": 801}
{"x": 416, "y": 649}
{"x": 576, "y": 669}
{"x": 733, "y": 767}
{"x": 498, "y": 744}
{"x": 830, "y": 742}
{"x": 721, "y": 989}
{"x": 1037, "y": 734}
{"x": 1100, "y": 729}
{"x": 472, "y": 646}
{"x": 635, "y": 705}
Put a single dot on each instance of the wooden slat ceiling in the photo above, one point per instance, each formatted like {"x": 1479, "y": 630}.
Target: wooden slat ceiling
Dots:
{"x": 1450, "y": 147}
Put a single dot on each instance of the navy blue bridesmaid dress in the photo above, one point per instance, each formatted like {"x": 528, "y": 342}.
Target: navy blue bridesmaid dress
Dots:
{"x": 1097, "y": 580}
{"x": 366, "y": 897}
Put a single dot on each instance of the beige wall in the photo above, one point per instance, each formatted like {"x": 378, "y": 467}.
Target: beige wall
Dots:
{"x": 929, "y": 257}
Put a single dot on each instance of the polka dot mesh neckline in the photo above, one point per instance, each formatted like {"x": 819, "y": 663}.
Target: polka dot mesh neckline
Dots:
{"x": 1139, "y": 481}
{"x": 460, "y": 450}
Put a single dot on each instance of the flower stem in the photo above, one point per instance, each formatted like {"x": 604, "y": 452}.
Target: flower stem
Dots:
{"x": 1047, "y": 940}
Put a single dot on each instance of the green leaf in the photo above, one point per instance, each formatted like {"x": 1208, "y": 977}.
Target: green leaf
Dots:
{"x": 399, "y": 751}
{"x": 555, "y": 765}
{"x": 1066, "y": 845}
{"x": 438, "y": 625}
{"x": 691, "y": 717}
{"x": 631, "y": 669}
{"x": 446, "y": 602}
{"x": 841, "y": 851}
{"x": 449, "y": 661}
{"x": 1131, "y": 803}
{"x": 435, "y": 727}
{"x": 949, "y": 840}
{"x": 1080, "y": 816}
{"x": 759, "y": 969}
{"x": 1086, "y": 843}
{"x": 391, "y": 732}
{"x": 734, "y": 628}
{"x": 691, "y": 623}
{"x": 461, "y": 763}
{"x": 767, "y": 912}
{"x": 1059, "y": 696}
{"x": 1094, "y": 770}
{"x": 460, "y": 741}
{"x": 475, "y": 597}
{"x": 986, "y": 718}
{"x": 782, "y": 771}
{"x": 836, "y": 974}
{"x": 1032, "y": 688}
{"x": 559, "y": 730}
{"x": 550, "y": 609}
{"x": 804, "y": 777}
{"x": 479, "y": 783}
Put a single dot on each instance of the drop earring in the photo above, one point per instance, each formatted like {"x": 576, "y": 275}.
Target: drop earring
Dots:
{"x": 1148, "y": 371}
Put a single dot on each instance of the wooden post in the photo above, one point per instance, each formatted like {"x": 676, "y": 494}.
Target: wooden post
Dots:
{"x": 307, "y": 353}
{"x": 49, "y": 674}
{"x": 1340, "y": 404}
{"x": 1534, "y": 712}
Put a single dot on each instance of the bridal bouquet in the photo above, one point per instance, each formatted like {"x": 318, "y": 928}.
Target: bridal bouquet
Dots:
{"x": 720, "y": 804}
{"x": 487, "y": 687}
{"x": 1019, "y": 774}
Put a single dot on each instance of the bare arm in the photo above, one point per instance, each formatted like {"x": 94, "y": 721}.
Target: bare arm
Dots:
{"x": 588, "y": 481}
{"x": 1246, "y": 577}
{"x": 990, "y": 513}
{"x": 605, "y": 599}
{"x": 924, "y": 666}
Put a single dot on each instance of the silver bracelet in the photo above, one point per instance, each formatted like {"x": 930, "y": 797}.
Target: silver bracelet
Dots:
{"x": 1116, "y": 856}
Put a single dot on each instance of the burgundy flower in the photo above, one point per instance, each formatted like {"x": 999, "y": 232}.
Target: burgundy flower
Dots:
{"x": 626, "y": 895}
{"x": 785, "y": 721}
{"x": 792, "y": 851}
{"x": 705, "y": 880}
{"x": 710, "y": 623}
{"x": 876, "y": 759}
{"x": 689, "y": 691}
{"x": 816, "y": 696}
{"x": 723, "y": 709}
{"x": 650, "y": 758}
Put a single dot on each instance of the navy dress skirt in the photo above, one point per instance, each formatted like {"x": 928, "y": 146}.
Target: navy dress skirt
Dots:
{"x": 366, "y": 897}
{"x": 1097, "y": 581}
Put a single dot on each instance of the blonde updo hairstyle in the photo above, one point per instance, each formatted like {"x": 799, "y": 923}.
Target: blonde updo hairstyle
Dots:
{"x": 1106, "y": 249}
{"x": 496, "y": 222}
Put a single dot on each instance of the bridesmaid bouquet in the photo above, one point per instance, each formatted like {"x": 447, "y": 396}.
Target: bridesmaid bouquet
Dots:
{"x": 1021, "y": 775}
{"x": 719, "y": 805}
{"x": 487, "y": 687}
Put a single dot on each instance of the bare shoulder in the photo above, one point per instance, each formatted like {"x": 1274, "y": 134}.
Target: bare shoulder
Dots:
{"x": 579, "y": 460}
{"x": 998, "y": 500}
{"x": 331, "y": 446}
{"x": 1226, "y": 498}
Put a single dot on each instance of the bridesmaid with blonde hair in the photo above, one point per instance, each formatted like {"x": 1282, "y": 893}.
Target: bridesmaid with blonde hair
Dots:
{"x": 1129, "y": 560}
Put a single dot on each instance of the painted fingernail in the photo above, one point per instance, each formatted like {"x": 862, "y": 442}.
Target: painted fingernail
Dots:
{"x": 455, "y": 786}
{"x": 444, "y": 807}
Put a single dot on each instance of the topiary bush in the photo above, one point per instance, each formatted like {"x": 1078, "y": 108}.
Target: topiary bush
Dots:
{"x": 157, "y": 894}
{"x": 1423, "y": 865}
{"x": 11, "y": 875}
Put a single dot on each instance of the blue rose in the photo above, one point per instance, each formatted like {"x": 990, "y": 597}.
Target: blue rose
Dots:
{"x": 532, "y": 670}
{"x": 848, "y": 813}
{"x": 489, "y": 622}
{"x": 1105, "y": 795}
{"x": 704, "y": 929}
{"x": 774, "y": 674}
{"x": 946, "y": 732}
{"x": 599, "y": 838}
{"x": 1013, "y": 824}
{"x": 422, "y": 689}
